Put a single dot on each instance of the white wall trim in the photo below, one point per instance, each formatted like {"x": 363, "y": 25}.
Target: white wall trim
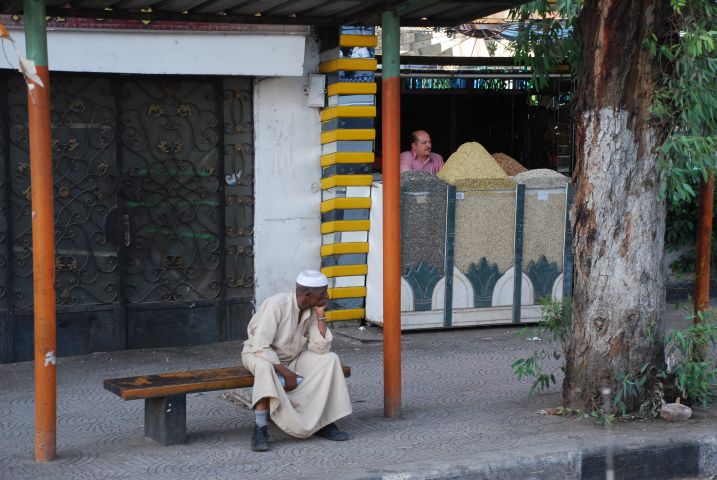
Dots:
{"x": 171, "y": 53}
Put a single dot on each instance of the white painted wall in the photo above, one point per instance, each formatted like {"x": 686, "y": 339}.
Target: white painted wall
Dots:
{"x": 168, "y": 52}
{"x": 287, "y": 222}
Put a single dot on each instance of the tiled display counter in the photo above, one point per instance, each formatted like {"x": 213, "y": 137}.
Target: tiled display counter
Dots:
{"x": 487, "y": 239}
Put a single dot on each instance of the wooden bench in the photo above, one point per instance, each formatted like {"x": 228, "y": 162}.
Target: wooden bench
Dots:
{"x": 165, "y": 396}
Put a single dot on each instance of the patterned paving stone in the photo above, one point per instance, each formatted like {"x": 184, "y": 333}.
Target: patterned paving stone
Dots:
{"x": 460, "y": 403}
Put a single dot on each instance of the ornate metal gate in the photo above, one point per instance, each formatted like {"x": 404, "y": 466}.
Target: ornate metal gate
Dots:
{"x": 154, "y": 213}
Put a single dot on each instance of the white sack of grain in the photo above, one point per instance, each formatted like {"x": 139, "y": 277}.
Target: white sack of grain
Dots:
{"x": 542, "y": 178}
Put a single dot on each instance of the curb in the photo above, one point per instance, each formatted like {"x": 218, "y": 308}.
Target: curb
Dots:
{"x": 655, "y": 461}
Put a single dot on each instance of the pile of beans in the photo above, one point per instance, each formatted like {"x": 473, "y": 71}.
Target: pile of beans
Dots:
{"x": 509, "y": 165}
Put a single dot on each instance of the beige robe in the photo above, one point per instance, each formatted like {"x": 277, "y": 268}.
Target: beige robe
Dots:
{"x": 277, "y": 335}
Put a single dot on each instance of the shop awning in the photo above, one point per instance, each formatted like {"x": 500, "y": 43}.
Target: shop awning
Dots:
{"x": 276, "y": 12}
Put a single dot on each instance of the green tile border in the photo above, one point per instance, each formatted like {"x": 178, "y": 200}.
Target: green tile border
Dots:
{"x": 518, "y": 259}
{"x": 568, "y": 260}
{"x": 449, "y": 254}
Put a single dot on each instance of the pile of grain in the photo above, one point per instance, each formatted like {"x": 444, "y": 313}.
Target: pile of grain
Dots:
{"x": 509, "y": 165}
{"x": 542, "y": 178}
{"x": 411, "y": 176}
{"x": 472, "y": 167}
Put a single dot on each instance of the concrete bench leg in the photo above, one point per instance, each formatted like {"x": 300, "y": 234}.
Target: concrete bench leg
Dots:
{"x": 165, "y": 419}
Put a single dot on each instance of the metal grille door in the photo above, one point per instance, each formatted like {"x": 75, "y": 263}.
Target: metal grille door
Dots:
{"x": 172, "y": 203}
{"x": 153, "y": 206}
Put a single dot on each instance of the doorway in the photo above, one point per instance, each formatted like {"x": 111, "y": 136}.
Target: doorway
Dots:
{"x": 154, "y": 212}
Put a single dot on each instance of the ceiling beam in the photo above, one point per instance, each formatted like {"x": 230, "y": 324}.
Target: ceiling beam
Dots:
{"x": 204, "y": 4}
{"x": 409, "y": 6}
{"x": 371, "y": 14}
{"x": 321, "y": 5}
{"x": 241, "y": 5}
{"x": 280, "y": 6}
{"x": 185, "y": 17}
{"x": 364, "y": 8}
{"x": 12, "y": 7}
{"x": 367, "y": 12}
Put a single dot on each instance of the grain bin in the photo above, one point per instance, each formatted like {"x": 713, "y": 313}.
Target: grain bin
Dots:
{"x": 423, "y": 233}
{"x": 477, "y": 247}
{"x": 485, "y": 211}
{"x": 544, "y": 229}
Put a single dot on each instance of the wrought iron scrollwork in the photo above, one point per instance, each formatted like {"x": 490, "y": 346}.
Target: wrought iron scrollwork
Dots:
{"x": 171, "y": 187}
{"x": 19, "y": 184}
{"x": 83, "y": 120}
{"x": 239, "y": 193}
{"x": 82, "y": 123}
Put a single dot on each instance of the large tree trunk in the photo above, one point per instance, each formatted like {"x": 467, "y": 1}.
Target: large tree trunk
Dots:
{"x": 618, "y": 219}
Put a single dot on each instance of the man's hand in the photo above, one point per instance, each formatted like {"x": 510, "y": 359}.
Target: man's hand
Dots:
{"x": 321, "y": 317}
{"x": 320, "y": 311}
{"x": 290, "y": 378}
{"x": 291, "y": 381}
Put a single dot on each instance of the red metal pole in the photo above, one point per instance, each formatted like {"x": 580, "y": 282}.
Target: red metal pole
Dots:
{"x": 43, "y": 234}
{"x": 391, "y": 123}
{"x": 704, "y": 247}
{"x": 43, "y": 261}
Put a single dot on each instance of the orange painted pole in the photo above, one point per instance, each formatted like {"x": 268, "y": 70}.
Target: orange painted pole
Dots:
{"x": 43, "y": 234}
{"x": 391, "y": 125}
{"x": 704, "y": 247}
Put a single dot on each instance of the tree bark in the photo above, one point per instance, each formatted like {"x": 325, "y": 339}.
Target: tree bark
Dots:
{"x": 618, "y": 218}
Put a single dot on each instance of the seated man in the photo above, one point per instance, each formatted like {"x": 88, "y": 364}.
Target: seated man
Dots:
{"x": 420, "y": 157}
{"x": 297, "y": 380}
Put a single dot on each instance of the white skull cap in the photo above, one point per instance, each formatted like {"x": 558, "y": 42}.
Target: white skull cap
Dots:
{"x": 312, "y": 278}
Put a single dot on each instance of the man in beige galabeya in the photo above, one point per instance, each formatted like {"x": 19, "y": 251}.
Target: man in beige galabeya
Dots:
{"x": 298, "y": 382}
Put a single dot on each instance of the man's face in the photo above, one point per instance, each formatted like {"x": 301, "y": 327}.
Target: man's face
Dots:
{"x": 422, "y": 145}
{"x": 319, "y": 298}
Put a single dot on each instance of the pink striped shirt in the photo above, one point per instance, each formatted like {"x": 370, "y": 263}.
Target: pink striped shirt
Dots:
{"x": 409, "y": 161}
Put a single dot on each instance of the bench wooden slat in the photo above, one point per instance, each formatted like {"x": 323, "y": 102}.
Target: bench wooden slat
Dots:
{"x": 179, "y": 383}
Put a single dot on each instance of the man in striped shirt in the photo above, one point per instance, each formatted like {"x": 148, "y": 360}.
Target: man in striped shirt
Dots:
{"x": 420, "y": 157}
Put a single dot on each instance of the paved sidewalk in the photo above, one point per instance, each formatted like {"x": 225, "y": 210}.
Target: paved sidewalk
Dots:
{"x": 464, "y": 415}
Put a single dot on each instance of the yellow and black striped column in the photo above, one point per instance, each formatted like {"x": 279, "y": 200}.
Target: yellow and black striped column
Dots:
{"x": 347, "y": 154}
